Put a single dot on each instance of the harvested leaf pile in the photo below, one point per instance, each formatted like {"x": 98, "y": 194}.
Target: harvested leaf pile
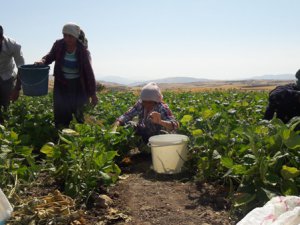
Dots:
{"x": 55, "y": 208}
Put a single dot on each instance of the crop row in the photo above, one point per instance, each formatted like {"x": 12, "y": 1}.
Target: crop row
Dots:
{"x": 229, "y": 143}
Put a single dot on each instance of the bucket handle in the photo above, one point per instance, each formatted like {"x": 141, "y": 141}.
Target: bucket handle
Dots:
{"x": 163, "y": 145}
{"x": 35, "y": 84}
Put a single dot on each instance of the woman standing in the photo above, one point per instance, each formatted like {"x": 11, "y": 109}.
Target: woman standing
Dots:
{"x": 74, "y": 79}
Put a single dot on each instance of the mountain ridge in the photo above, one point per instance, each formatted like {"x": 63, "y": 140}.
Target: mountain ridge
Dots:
{"x": 117, "y": 80}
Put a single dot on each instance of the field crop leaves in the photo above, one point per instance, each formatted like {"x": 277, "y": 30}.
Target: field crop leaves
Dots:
{"x": 229, "y": 143}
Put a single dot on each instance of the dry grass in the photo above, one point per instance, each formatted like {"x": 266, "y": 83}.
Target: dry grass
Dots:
{"x": 247, "y": 85}
{"x": 244, "y": 85}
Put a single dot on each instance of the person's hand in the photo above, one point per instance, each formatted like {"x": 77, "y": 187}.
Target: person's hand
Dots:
{"x": 115, "y": 126}
{"x": 155, "y": 117}
{"x": 40, "y": 62}
{"x": 94, "y": 100}
{"x": 14, "y": 95}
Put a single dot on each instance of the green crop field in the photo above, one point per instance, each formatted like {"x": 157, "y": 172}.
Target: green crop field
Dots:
{"x": 229, "y": 143}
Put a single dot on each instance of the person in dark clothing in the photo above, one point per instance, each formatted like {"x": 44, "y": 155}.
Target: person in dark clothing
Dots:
{"x": 74, "y": 79}
{"x": 284, "y": 101}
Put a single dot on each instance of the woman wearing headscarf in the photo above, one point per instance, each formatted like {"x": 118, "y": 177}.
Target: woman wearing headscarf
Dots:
{"x": 74, "y": 79}
{"x": 153, "y": 114}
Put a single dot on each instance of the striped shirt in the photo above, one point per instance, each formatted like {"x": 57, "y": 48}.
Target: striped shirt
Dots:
{"x": 70, "y": 66}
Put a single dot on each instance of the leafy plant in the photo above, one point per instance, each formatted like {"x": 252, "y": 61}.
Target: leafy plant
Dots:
{"x": 81, "y": 162}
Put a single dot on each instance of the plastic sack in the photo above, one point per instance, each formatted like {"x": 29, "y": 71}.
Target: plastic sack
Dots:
{"x": 279, "y": 210}
{"x": 5, "y": 208}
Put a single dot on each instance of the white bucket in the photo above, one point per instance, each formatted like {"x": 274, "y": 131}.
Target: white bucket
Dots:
{"x": 5, "y": 208}
{"x": 169, "y": 152}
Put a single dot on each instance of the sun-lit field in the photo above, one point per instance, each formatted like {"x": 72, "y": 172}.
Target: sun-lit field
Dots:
{"x": 251, "y": 85}
{"x": 229, "y": 143}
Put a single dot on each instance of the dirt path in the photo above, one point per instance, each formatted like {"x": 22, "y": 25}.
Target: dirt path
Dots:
{"x": 150, "y": 198}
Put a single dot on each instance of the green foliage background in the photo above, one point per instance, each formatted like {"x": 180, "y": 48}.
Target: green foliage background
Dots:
{"x": 229, "y": 143}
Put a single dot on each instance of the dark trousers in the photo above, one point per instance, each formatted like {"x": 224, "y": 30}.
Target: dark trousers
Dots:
{"x": 6, "y": 87}
{"x": 69, "y": 99}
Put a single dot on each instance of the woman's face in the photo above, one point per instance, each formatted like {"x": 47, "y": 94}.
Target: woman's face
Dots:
{"x": 149, "y": 105}
{"x": 70, "y": 40}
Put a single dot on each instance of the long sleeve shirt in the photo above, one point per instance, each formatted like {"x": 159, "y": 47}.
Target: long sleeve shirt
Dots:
{"x": 10, "y": 55}
{"x": 86, "y": 72}
{"x": 144, "y": 120}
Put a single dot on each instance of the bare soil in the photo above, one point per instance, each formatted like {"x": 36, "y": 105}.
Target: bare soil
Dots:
{"x": 140, "y": 197}
{"x": 151, "y": 198}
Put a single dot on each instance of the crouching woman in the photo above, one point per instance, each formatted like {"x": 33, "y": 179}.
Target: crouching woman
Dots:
{"x": 154, "y": 116}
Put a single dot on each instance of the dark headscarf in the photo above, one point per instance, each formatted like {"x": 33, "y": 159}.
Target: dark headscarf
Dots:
{"x": 298, "y": 79}
{"x": 1, "y": 36}
{"x": 83, "y": 39}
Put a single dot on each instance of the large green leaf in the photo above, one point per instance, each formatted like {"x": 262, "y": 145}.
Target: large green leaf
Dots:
{"x": 24, "y": 150}
{"x": 288, "y": 187}
{"x": 186, "y": 119}
{"x": 197, "y": 133}
{"x": 289, "y": 172}
{"x": 48, "y": 150}
{"x": 208, "y": 113}
{"x": 293, "y": 141}
{"x": 241, "y": 199}
{"x": 239, "y": 169}
{"x": 227, "y": 162}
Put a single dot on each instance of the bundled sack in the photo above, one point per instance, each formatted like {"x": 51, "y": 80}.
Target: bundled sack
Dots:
{"x": 5, "y": 208}
{"x": 279, "y": 210}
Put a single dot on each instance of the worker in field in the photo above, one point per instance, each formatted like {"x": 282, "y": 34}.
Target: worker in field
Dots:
{"x": 154, "y": 116}
{"x": 10, "y": 55}
{"x": 74, "y": 79}
{"x": 284, "y": 101}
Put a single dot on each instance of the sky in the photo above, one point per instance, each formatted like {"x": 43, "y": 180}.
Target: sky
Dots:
{"x": 151, "y": 39}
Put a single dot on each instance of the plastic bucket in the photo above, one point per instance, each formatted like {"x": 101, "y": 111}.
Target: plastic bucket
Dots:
{"x": 5, "y": 208}
{"x": 34, "y": 79}
{"x": 169, "y": 152}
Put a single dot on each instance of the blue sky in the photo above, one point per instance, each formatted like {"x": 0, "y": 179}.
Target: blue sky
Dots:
{"x": 146, "y": 39}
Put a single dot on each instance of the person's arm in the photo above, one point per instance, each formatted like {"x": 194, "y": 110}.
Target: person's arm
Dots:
{"x": 269, "y": 113}
{"x": 155, "y": 117}
{"x": 89, "y": 78}
{"x": 132, "y": 112}
{"x": 165, "y": 118}
{"x": 16, "y": 91}
{"x": 18, "y": 55}
{"x": 19, "y": 60}
{"x": 50, "y": 56}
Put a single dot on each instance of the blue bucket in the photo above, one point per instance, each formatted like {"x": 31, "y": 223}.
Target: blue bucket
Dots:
{"x": 34, "y": 79}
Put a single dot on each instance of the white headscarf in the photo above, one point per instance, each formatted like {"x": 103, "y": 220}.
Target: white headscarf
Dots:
{"x": 151, "y": 92}
{"x": 71, "y": 29}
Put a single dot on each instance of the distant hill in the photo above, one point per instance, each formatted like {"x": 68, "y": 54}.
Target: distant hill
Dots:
{"x": 275, "y": 77}
{"x": 172, "y": 80}
{"x": 117, "y": 80}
